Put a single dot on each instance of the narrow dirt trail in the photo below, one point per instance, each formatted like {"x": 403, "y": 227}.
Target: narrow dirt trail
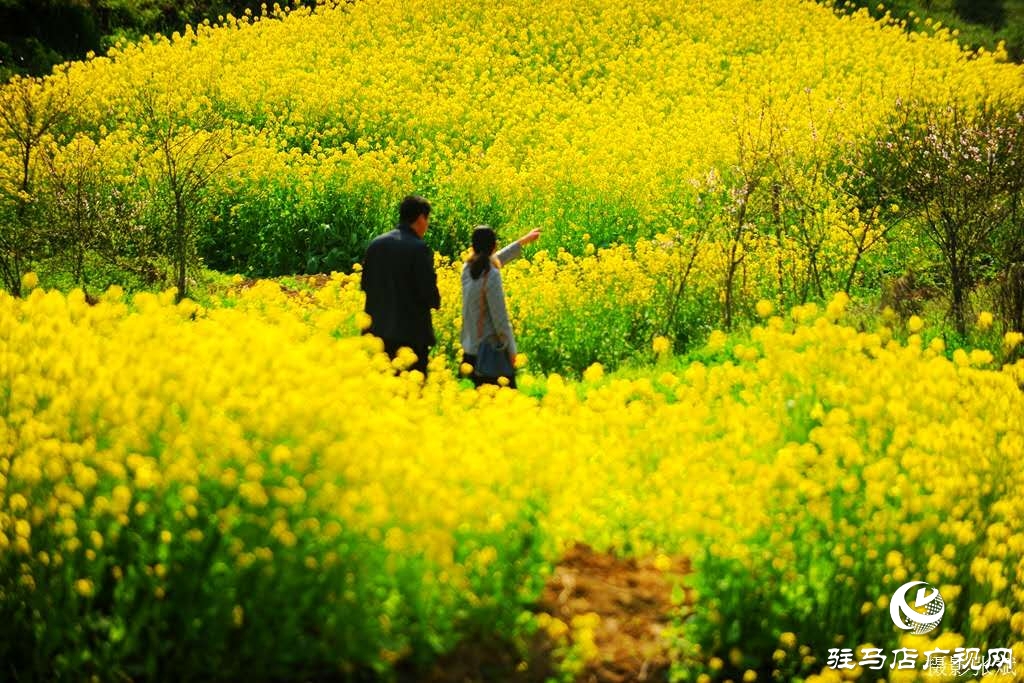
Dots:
{"x": 628, "y": 604}
{"x": 633, "y": 602}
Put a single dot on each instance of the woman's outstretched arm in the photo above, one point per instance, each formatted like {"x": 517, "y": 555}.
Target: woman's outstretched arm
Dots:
{"x": 515, "y": 250}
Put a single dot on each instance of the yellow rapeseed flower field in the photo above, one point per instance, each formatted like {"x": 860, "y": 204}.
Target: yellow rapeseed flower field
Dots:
{"x": 254, "y": 465}
{"x": 596, "y": 118}
{"x": 245, "y": 488}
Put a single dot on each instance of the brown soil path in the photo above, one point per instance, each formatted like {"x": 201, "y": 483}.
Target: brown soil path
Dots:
{"x": 633, "y": 603}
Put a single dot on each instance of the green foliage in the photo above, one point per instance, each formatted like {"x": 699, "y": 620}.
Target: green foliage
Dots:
{"x": 980, "y": 23}
{"x": 960, "y": 173}
{"x": 285, "y": 227}
{"x": 990, "y": 13}
{"x": 195, "y": 584}
{"x": 35, "y": 35}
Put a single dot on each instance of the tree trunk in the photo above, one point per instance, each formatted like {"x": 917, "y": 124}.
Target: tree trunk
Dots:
{"x": 180, "y": 224}
{"x": 777, "y": 219}
{"x": 853, "y": 268}
{"x": 22, "y": 221}
{"x": 959, "y": 305}
{"x": 80, "y": 265}
{"x": 729, "y": 281}
{"x": 5, "y": 268}
{"x": 957, "y": 275}
{"x": 16, "y": 275}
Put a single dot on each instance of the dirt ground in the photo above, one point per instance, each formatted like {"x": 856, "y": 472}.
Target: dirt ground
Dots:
{"x": 632, "y": 600}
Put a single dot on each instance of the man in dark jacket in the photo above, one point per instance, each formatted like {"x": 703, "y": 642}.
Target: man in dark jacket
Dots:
{"x": 401, "y": 285}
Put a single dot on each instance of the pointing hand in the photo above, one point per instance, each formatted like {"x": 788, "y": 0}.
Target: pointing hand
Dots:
{"x": 529, "y": 237}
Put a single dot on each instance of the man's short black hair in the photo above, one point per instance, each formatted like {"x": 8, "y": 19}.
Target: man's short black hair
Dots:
{"x": 412, "y": 208}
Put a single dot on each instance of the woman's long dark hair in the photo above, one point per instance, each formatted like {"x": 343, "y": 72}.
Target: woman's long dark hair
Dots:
{"x": 484, "y": 241}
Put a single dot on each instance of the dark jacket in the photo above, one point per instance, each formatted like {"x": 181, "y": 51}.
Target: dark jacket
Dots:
{"x": 401, "y": 288}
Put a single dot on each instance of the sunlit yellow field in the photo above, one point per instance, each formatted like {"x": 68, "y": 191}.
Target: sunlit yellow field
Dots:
{"x": 236, "y": 462}
{"x": 247, "y": 488}
{"x": 600, "y": 118}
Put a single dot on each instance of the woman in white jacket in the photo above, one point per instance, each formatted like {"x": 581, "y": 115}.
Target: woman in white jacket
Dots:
{"x": 484, "y": 314}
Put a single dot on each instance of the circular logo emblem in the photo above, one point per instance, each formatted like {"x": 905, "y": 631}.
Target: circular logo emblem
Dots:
{"x": 925, "y": 613}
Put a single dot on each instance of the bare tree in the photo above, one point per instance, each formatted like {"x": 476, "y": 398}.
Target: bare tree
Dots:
{"x": 83, "y": 207}
{"x": 190, "y": 151}
{"x": 751, "y": 174}
{"x": 30, "y": 110}
{"x": 685, "y": 246}
{"x": 812, "y": 204}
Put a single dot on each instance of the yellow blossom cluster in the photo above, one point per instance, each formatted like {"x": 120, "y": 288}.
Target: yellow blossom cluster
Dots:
{"x": 251, "y": 485}
{"x": 892, "y": 476}
{"x": 259, "y": 458}
{"x": 593, "y": 117}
